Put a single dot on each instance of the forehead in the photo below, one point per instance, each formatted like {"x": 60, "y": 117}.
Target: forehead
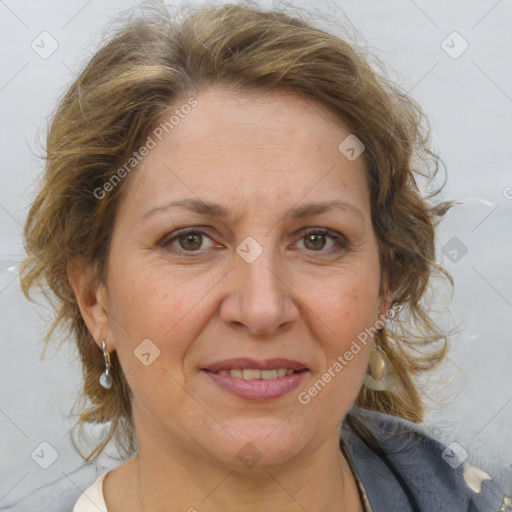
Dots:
{"x": 256, "y": 147}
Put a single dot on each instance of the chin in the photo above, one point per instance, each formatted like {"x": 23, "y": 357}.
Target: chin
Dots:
{"x": 263, "y": 442}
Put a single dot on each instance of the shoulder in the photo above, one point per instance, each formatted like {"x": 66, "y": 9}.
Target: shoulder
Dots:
{"x": 61, "y": 495}
{"x": 92, "y": 499}
{"x": 409, "y": 470}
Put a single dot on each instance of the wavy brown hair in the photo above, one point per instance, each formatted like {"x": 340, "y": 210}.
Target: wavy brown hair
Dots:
{"x": 141, "y": 73}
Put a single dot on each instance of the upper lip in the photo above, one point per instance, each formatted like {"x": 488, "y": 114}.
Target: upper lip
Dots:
{"x": 240, "y": 363}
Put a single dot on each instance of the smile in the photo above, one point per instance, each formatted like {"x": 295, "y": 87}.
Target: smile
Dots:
{"x": 252, "y": 374}
{"x": 257, "y": 385}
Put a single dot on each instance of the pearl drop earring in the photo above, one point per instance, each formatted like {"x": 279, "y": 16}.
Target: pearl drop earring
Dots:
{"x": 105, "y": 379}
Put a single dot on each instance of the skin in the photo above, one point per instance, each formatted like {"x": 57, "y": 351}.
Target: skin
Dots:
{"x": 258, "y": 155}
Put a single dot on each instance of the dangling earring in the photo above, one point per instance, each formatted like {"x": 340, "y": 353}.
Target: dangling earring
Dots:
{"x": 378, "y": 368}
{"x": 105, "y": 380}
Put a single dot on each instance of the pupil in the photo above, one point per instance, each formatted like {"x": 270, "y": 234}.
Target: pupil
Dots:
{"x": 190, "y": 239}
{"x": 315, "y": 239}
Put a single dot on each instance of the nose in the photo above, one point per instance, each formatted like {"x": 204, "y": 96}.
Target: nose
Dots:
{"x": 260, "y": 300}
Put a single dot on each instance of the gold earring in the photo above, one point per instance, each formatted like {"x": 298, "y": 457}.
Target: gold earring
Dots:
{"x": 378, "y": 368}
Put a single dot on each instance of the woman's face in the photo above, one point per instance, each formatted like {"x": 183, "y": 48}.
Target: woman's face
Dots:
{"x": 265, "y": 274}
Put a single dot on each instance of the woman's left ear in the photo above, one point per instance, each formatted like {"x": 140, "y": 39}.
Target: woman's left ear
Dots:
{"x": 384, "y": 307}
{"x": 385, "y": 298}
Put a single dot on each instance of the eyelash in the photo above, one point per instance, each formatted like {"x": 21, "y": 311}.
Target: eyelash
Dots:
{"x": 340, "y": 242}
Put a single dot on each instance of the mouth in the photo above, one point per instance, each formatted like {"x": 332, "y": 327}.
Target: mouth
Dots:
{"x": 255, "y": 374}
{"x": 257, "y": 380}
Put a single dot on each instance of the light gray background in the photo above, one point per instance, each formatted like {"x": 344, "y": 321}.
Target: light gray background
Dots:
{"x": 469, "y": 103}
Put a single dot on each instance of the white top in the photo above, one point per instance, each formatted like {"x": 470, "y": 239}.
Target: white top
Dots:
{"x": 92, "y": 500}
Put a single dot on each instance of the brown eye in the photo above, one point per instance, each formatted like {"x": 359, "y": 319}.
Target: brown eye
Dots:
{"x": 318, "y": 239}
{"x": 187, "y": 241}
{"x": 191, "y": 241}
{"x": 314, "y": 242}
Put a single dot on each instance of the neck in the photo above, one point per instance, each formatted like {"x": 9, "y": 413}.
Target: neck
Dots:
{"x": 320, "y": 482}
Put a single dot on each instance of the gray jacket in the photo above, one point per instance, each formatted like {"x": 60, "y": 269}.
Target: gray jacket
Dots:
{"x": 411, "y": 471}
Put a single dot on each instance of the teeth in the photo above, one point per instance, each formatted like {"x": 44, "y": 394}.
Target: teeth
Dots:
{"x": 268, "y": 374}
{"x": 253, "y": 374}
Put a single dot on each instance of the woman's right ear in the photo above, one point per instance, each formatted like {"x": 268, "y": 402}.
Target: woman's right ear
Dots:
{"x": 91, "y": 296}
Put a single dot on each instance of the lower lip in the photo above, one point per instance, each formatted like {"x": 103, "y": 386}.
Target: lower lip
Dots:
{"x": 258, "y": 389}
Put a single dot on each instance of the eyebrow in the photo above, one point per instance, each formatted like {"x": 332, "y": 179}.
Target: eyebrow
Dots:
{"x": 211, "y": 209}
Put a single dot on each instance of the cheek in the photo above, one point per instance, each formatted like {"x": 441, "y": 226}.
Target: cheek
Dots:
{"x": 152, "y": 299}
{"x": 168, "y": 308}
{"x": 345, "y": 345}
{"x": 358, "y": 309}
{"x": 345, "y": 305}
{"x": 344, "y": 312}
